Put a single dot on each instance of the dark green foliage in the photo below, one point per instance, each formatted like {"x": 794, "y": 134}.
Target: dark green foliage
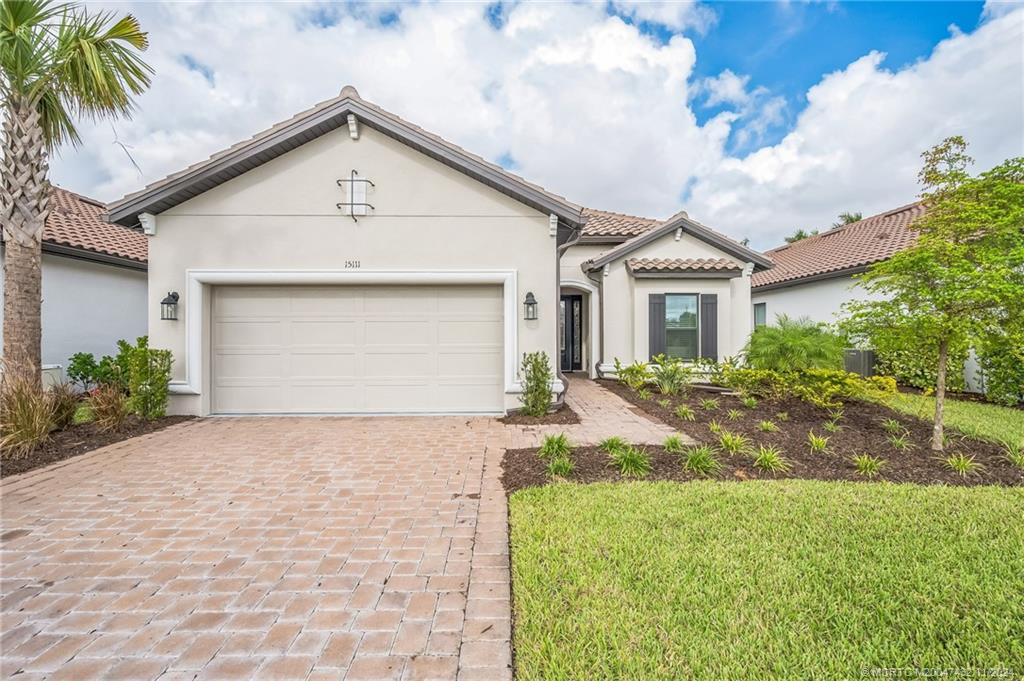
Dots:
{"x": 537, "y": 378}
{"x": 794, "y": 345}
{"x": 555, "y": 446}
{"x": 149, "y": 372}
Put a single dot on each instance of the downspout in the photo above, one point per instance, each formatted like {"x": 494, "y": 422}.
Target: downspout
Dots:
{"x": 600, "y": 314}
{"x": 573, "y": 239}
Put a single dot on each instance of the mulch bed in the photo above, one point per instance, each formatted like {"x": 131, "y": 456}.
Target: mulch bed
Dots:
{"x": 861, "y": 432}
{"x": 82, "y": 438}
{"x": 564, "y": 416}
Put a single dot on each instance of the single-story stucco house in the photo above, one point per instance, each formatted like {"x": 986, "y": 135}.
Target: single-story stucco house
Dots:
{"x": 94, "y": 282}
{"x": 348, "y": 261}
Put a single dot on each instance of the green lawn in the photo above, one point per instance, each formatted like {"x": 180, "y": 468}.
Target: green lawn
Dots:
{"x": 764, "y": 580}
{"x": 989, "y": 421}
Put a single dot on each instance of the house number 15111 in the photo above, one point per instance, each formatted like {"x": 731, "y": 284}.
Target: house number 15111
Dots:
{"x": 352, "y": 265}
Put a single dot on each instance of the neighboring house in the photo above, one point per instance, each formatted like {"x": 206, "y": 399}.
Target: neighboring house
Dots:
{"x": 813, "y": 277}
{"x": 348, "y": 261}
{"x": 94, "y": 281}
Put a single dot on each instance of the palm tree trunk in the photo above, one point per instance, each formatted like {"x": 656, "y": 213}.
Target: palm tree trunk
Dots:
{"x": 24, "y": 206}
{"x": 940, "y": 396}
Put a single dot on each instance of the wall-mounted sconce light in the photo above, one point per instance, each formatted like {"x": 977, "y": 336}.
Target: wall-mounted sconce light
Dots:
{"x": 169, "y": 307}
{"x": 530, "y": 307}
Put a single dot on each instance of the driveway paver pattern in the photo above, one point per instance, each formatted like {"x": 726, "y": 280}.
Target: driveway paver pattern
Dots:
{"x": 277, "y": 548}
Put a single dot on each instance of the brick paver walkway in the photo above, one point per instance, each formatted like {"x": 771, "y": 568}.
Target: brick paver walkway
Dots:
{"x": 279, "y": 548}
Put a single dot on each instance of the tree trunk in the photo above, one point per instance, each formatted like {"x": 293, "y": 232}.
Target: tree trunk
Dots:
{"x": 24, "y": 206}
{"x": 940, "y": 396}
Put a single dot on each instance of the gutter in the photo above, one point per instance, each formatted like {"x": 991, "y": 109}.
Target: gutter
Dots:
{"x": 821, "y": 276}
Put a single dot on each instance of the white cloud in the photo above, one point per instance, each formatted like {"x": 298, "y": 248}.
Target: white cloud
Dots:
{"x": 584, "y": 103}
{"x": 675, "y": 14}
{"x": 726, "y": 88}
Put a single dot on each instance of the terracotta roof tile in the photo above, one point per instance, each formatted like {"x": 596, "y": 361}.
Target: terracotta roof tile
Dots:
{"x": 850, "y": 246}
{"x": 607, "y": 223}
{"x": 77, "y": 222}
{"x": 671, "y": 265}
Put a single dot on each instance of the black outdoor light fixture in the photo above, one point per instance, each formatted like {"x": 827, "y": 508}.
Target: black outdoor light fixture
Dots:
{"x": 169, "y": 307}
{"x": 530, "y": 307}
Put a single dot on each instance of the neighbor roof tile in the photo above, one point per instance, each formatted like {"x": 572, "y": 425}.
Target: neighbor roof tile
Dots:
{"x": 844, "y": 248}
{"x": 608, "y": 224}
{"x": 77, "y": 222}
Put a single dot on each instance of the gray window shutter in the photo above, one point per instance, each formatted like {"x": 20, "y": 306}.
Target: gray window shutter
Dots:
{"x": 709, "y": 325}
{"x": 656, "y": 323}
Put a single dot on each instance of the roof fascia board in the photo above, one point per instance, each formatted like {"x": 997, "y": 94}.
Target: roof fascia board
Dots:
{"x": 93, "y": 256}
{"x": 336, "y": 114}
{"x": 821, "y": 276}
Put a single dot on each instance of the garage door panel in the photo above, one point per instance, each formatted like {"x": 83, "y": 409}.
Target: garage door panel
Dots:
{"x": 323, "y": 364}
{"x": 347, "y": 349}
{"x": 383, "y": 363}
{"x": 323, "y": 332}
{"x": 399, "y": 332}
{"x": 469, "y": 332}
{"x": 243, "y": 333}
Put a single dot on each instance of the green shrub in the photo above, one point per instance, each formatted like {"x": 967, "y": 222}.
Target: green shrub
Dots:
{"x": 82, "y": 369}
{"x": 770, "y": 459}
{"x": 685, "y": 413}
{"x": 768, "y": 427}
{"x": 26, "y": 416}
{"x": 671, "y": 375}
{"x": 631, "y": 462}
{"x": 701, "y": 461}
{"x": 1001, "y": 357}
{"x": 560, "y": 467}
{"x": 749, "y": 402}
{"x": 64, "y": 402}
{"x": 537, "y": 378}
{"x": 825, "y": 388}
{"x": 794, "y": 345}
{"x": 714, "y": 426}
{"x": 149, "y": 372}
{"x": 665, "y": 404}
{"x": 755, "y": 382}
{"x": 734, "y": 415}
{"x": 709, "y": 404}
{"x": 635, "y": 376}
{"x": 555, "y": 446}
{"x": 830, "y": 427}
{"x": 882, "y": 384}
{"x": 867, "y": 465}
{"x": 1014, "y": 453}
{"x": 733, "y": 443}
{"x": 817, "y": 443}
{"x": 782, "y": 416}
{"x": 963, "y": 465}
{"x": 644, "y": 394}
{"x": 109, "y": 407}
{"x": 892, "y": 426}
{"x": 913, "y": 362}
{"x": 673, "y": 444}
{"x": 610, "y": 444}
{"x": 901, "y": 442}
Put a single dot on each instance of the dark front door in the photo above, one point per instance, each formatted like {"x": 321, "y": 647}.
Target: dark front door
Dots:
{"x": 570, "y": 325}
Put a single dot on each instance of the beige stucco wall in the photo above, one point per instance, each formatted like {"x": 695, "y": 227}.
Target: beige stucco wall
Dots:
{"x": 626, "y": 303}
{"x": 283, "y": 216}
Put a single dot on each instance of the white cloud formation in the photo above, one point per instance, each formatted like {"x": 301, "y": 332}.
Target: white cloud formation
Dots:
{"x": 726, "y": 88}
{"x": 582, "y": 102}
{"x": 675, "y": 15}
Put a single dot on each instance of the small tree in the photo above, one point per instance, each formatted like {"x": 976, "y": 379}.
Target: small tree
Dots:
{"x": 800, "y": 235}
{"x": 963, "y": 280}
{"x": 537, "y": 377}
{"x": 847, "y": 217}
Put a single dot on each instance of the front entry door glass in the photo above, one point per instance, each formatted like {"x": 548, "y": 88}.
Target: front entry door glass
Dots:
{"x": 570, "y": 326}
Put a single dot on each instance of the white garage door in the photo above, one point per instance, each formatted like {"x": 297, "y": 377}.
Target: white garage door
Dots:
{"x": 348, "y": 349}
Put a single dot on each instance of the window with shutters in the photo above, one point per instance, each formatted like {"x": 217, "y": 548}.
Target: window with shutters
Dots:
{"x": 682, "y": 334}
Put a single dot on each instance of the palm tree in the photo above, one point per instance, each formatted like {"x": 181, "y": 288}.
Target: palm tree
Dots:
{"x": 846, "y": 217}
{"x": 800, "y": 235}
{"x": 59, "y": 63}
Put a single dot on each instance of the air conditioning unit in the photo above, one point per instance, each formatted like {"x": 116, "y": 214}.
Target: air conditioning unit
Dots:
{"x": 860, "y": 362}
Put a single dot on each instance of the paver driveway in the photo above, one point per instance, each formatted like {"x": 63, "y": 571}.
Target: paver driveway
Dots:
{"x": 318, "y": 548}
{"x": 275, "y": 547}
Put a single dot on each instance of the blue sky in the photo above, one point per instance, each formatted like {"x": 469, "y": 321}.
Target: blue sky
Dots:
{"x": 787, "y": 47}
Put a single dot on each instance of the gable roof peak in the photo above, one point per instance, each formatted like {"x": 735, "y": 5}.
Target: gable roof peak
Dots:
{"x": 350, "y": 92}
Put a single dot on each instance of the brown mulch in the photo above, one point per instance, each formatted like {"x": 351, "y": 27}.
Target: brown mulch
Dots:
{"x": 82, "y": 438}
{"x": 860, "y": 432}
{"x": 564, "y": 416}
